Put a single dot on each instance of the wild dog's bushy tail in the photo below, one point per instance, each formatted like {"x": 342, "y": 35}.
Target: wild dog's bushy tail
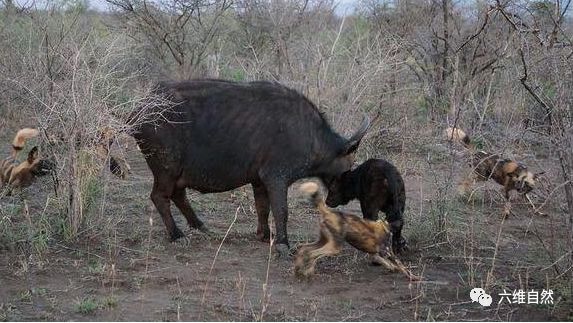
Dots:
{"x": 20, "y": 139}
{"x": 459, "y": 136}
{"x": 311, "y": 190}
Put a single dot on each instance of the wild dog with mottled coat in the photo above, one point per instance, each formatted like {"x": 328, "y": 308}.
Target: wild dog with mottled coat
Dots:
{"x": 17, "y": 174}
{"x": 372, "y": 237}
{"x": 510, "y": 174}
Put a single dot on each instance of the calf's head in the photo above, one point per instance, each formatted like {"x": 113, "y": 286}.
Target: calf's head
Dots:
{"x": 340, "y": 190}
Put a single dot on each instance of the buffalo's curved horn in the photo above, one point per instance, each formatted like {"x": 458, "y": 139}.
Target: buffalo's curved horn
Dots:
{"x": 354, "y": 141}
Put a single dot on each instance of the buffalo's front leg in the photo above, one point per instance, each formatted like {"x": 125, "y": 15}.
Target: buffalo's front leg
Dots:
{"x": 278, "y": 199}
{"x": 160, "y": 195}
{"x": 182, "y": 203}
{"x": 263, "y": 208}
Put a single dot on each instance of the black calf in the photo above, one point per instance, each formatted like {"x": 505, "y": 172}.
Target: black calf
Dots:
{"x": 378, "y": 185}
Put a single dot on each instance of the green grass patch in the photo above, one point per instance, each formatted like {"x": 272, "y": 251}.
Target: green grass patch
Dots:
{"x": 87, "y": 306}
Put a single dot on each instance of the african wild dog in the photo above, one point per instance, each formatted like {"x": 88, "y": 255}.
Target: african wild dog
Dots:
{"x": 372, "y": 237}
{"x": 21, "y": 174}
{"x": 510, "y": 174}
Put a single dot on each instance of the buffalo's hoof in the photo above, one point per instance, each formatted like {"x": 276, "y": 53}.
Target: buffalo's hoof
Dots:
{"x": 176, "y": 234}
{"x": 282, "y": 251}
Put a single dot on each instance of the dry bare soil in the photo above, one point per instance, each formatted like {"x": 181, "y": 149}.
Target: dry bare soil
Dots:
{"x": 124, "y": 268}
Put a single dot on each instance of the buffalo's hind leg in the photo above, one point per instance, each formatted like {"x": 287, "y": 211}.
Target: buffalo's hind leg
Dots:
{"x": 161, "y": 195}
{"x": 263, "y": 208}
{"x": 180, "y": 199}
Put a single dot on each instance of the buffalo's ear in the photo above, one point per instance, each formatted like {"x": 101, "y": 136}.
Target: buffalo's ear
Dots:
{"x": 354, "y": 141}
{"x": 351, "y": 147}
{"x": 33, "y": 155}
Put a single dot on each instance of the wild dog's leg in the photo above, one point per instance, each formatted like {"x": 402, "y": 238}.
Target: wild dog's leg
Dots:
{"x": 302, "y": 255}
{"x": 507, "y": 204}
{"x": 180, "y": 199}
{"x": 332, "y": 246}
{"x": 161, "y": 195}
{"x": 466, "y": 183}
{"x": 380, "y": 260}
{"x": 263, "y": 208}
{"x": 393, "y": 264}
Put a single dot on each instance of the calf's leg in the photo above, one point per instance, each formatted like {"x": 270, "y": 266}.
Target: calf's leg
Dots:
{"x": 369, "y": 210}
{"x": 396, "y": 222}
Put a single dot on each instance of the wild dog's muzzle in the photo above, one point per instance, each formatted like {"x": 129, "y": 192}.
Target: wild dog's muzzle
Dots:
{"x": 523, "y": 186}
{"x": 44, "y": 167}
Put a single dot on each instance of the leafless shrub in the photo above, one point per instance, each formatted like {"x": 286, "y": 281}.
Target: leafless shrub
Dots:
{"x": 178, "y": 34}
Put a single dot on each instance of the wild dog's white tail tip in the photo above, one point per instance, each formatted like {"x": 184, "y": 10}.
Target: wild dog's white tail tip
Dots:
{"x": 457, "y": 135}
{"x": 309, "y": 188}
{"x": 23, "y": 135}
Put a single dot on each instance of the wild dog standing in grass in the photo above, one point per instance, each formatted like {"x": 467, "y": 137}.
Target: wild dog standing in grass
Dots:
{"x": 379, "y": 186}
{"x": 506, "y": 172}
{"x": 101, "y": 145}
{"x": 372, "y": 237}
{"x": 21, "y": 174}
{"x": 117, "y": 164}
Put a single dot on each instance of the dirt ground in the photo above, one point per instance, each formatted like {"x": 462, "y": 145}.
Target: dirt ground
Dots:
{"x": 129, "y": 271}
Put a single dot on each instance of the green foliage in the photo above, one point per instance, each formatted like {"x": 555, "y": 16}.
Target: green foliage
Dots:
{"x": 95, "y": 267}
{"x": 110, "y": 302}
{"x": 92, "y": 191}
{"x": 87, "y": 306}
{"x": 25, "y": 296}
{"x": 478, "y": 142}
{"x": 542, "y": 7}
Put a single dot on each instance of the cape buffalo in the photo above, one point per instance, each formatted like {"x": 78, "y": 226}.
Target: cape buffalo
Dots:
{"x": 219, "y": 135}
